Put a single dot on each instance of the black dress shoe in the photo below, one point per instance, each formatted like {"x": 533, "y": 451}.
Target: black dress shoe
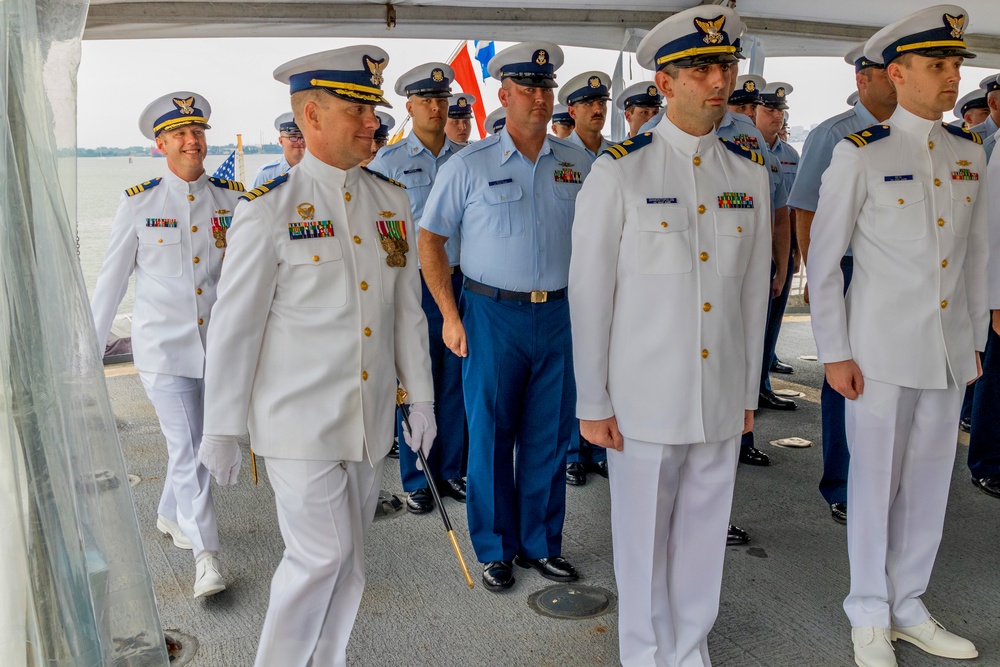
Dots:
{"x": 420, "y": 501}
{"x": 498, "y": 575}
{"x": 965, "y": 425}
{"x": 988, "y": 485}
{"x": 555, "y": 568}
{"x": 394, "y": 451}
{"x": 453, "y": 488}
{"x": 599, "y": 468}
{"x": 754, "y": 457}
{"x": 737, "y": 536}
{"x": 769, "y": 400}
{"x": 839, "y": 512}
{"x": 781, "y": 367}
{"x": 576, "y": 474}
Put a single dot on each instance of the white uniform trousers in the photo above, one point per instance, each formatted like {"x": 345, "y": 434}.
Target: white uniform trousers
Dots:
{"x": 670, "y": 508}
{"x": 902, "y": 443}
{"x": 324, "y": 511}
{"x": 187, "y": 494}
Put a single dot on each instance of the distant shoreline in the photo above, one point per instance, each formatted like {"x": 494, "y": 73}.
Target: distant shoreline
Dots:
{"x": 144, "y": 151}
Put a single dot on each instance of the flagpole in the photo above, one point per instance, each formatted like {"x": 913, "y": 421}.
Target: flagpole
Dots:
{"x": 239, "y": 156}
{"x": 461, "y": 45}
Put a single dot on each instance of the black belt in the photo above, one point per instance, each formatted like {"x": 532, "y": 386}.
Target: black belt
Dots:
{"x": 537, "y": 296}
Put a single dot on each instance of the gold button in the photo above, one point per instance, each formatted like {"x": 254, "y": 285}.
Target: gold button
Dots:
{"x": 703, "y": 256}
{"x": 368, "y": 331}
{"x": 937, "y": 182}
{"x": 706, "y": 307}
{"x": 899, "y": 201}
{"x": 197, "y": 290}
{"x": 315, "y": 258}
{"x": 364, "y": 286}
{"x": 739, "y": 229}
{"x": 194, "y": 228}
{"x": 968, "y": 199}
{"x": 704, "y": 354}
{"x": 347, "y": 196}
{"x": 697, "y": 160}
{"x": 200, "y": 321}
{"x": 159, "y": 240}
{"x": 190, "y": 197}
{"x": 944, "y": 264}
{"x": 357, "y": 239}
{"x": 196, "y": 260}
{"x": 663, "y": 224}
{"x": 940, "y": 222}
{"x": 930, "y": 145}
{"x": 364, "y": 375}
{"x": 701, "y": 208}
{"x": 944, "y": 304}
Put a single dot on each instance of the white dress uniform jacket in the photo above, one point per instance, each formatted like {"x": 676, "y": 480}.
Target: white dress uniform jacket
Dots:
{"x": 310, "y": 334}
{"x": 911, "y": 203}
{"x": 689, "y": 242}
{"x": 164, "y": 232}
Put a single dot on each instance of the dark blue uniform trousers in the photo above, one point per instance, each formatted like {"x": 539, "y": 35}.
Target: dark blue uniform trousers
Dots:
{"x": 447, "y": 458}
{"x": 836, "y": 457}
{"x": 984, "y": 441}
{"x": 520, "y": 399}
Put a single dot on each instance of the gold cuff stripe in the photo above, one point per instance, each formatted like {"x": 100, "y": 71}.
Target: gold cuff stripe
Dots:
{"x": 176, "y": 122}
{"x": 695, "y": 51}
{"x": 930, "y": 45}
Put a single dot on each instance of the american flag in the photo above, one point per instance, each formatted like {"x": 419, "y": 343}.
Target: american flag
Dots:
{"x": 227, "y": 169}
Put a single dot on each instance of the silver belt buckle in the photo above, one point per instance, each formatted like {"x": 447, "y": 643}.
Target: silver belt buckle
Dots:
{"x": 539, "y": 296}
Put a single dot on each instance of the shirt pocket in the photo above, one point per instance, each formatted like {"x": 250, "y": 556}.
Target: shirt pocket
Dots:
{"x": 733, "y": 241}
{"x": 565, "y": 200}
{"x": 963, "y": 199}
{"x": 663, "y": 244}
{"x": 160, "y": 251}
{"x": 900, "y": 212}
{"x": 503, "y": 218}
{"x": 316, "y": 276}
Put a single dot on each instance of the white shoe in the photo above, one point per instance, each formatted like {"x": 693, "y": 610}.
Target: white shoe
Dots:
{"x": 872, "y": 647}
{"x": 208, "y": 577}
{"x": 931, "y": 637}
{"x": 171, "y": 528}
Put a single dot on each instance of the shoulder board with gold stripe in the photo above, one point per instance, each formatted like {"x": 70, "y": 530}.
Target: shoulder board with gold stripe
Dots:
{"x": 142, "y": 187}
{"x": 265, "y": 187}
{"x": 743, "y": 151}
{"x": 619, "y": 151}
{"x": 868, "y": 135}
{"x": 963, "y": 132}
{"x": 384, "y": 177}
{"x": 226, "y": 184}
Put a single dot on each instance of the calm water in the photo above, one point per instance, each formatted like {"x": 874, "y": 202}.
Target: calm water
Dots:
{"x": 100, "y": 184}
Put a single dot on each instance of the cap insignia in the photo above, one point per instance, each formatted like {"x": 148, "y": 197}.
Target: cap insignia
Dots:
{"x": 956, "y": 23}
{"x": 780, "y": 92}
{"x": 594, "y": 82}
{"x": 437, "y": 75}
{"x": 749, "y": 86}
{"x": 185, "y": 106}
{"x": 462, "y": 102}
{"x": 541, "y": 57}
{"x": 375, "y": 67}
{"x": 306, "y": 211}
{"x": 651, "y": 91}
{"x": 711, "y": 29}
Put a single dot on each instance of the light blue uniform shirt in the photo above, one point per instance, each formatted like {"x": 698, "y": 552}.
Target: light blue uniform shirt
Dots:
{"x": 988, "y": 131}
{"x": 739, "y": 129}
{"x": 575, "y": 139}
{"x": 515, "y": 216}
{"x": 272, "y": 169}
{"x": 653, "y": 122}
{"x": 412, "y": 164}
{"x": 788, "y": 162}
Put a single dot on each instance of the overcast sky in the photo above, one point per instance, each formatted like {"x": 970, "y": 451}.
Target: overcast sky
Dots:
{"x": 118, "y": 78}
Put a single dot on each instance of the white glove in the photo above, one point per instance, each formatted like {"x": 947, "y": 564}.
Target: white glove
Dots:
{"x": 424, "y": 429}
{"x": 221, "y": 455}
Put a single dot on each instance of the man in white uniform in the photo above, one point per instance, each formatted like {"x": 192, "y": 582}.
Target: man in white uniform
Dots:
{"x": 681, "y": 219}
{"x": 293, "y": 147}
{"x": 171, "y": 231}
{"x": 906, "y": 196}
{"x": 318, "y": 315}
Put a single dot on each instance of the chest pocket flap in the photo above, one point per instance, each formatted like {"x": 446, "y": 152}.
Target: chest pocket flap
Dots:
{"x": 662, "y": 219}
{"x": 899, "y": 195}
{"x": 416, "y": 179}
{"x": 502, "y": 194}
{"x": 313, "y": 251}
{"x": 162, "y": 236}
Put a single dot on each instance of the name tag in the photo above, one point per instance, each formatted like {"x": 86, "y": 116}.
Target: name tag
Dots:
{"x": 661, "y": 200}
{"x": 310, "y": 229}
{"x": 735, "y": 200}
{"x": 902, "y": 177}
{"x": 413, "y": 171}
{"x": 161, "y": 222}
{"x": 506, "y": 180}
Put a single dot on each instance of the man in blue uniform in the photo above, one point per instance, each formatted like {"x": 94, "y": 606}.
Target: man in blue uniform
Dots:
{"x": 876, "y": 102}
{"x": 639, "y": 102}
{"x": 989, "y": 127}
{"x": 562, "y": 122}
{"x": 460, "y": 118}
{"x": 512, "y": 197}
{"x": 293, "y": 147}
{"x": 586, "y": 96}
{"x": 414, "y": 162}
